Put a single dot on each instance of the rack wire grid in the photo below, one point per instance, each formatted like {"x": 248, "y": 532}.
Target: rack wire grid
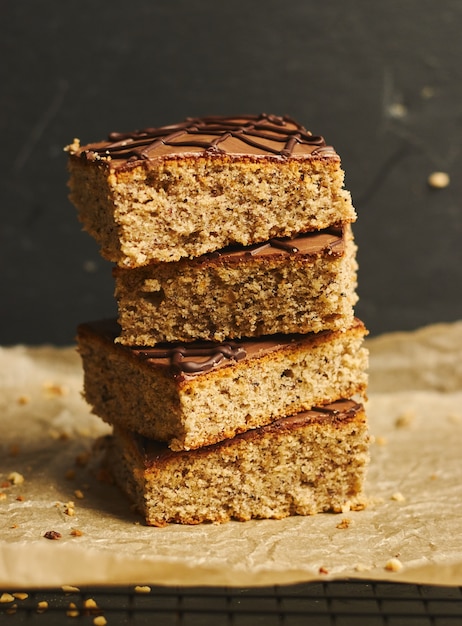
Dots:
{"x": 338, "y": 603}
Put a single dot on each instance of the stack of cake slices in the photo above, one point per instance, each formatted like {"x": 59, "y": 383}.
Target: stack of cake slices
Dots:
{"x": 234, "y": 375}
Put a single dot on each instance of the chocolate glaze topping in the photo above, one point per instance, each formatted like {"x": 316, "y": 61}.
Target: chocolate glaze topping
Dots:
{"x": 184, "y": 358}
{"x": 329, "y": 240}
{"x": 254, "y": 135}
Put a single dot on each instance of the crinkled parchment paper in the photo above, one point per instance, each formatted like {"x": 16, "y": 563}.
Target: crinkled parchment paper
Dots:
{"x": 413, "y": 523}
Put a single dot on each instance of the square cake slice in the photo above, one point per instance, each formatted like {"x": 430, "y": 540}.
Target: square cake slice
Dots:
{"x": 196, "y": 394}
{"x": 304, "y": 464}
{"x": 300, "y": 285}
{"x": 161, "y": 194}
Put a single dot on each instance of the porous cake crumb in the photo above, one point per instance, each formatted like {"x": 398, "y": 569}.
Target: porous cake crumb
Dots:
{"x": 308, "y": 463}
{"x": 299, "y": 285}
{"x": 198, "y": 394}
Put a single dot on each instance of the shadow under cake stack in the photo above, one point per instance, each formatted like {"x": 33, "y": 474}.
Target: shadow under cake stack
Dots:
{"x": 234, "y": 375}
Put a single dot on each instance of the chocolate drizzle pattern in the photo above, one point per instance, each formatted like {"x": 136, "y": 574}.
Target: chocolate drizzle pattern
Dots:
{"x": 185, "y": 358}
{"x": 264, "y": 134}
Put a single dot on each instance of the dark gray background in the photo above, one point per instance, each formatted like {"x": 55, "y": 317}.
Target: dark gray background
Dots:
{"x": 380, "y": 80}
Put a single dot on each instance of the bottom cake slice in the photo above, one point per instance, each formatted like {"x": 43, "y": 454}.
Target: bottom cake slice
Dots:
{"x": 308, "y": 463}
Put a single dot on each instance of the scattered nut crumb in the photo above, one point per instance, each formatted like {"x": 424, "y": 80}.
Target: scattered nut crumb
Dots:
{"x": 20, "y": 595}
{"x": 5, "y": 484}
{"x": 69, "y": 508}
{"x": 53, "y": 390}
{"x": 72, "y": 610}
{"x": 2, "y": 495}
{"x": 345, "y": 523}
{"x": 69, "y": 589}
{"x": 16, "y": 478}
{"x": 22, "y": 400}
{"x": 20, "y": 498}
{"x": 405, "y": 419}
{"x": 6, "y": 597}
{"x": 79, "y": 494}
{"x": 100, "y": 620}
{"x": 76, "y": 532}
{"x": 323, "y": 570}
{"x": 398, "y": 496}
{"x": 90, "y": 603}
{"x": 42, "y": 606}
{"x": 52, "y": 534}
{"x": 439, "y": 180}
{"x": 11, "y": 610}
{"x": 142, "y": 589}
{"x": 393, "y": 565}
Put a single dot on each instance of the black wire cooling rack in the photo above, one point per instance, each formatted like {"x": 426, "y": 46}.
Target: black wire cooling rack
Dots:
{"x": 342, "y": 603}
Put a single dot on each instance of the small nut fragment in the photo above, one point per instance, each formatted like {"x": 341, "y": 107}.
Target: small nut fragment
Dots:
{"x": 52, "y": 534}
{"x": 42, "y": 606}
{"x": 78, "y": 493}
{"x": 69, "y": 589}
{"x": 393, "y": 565}
{"x": 142, "y": 589}
{"x": 398, "y": 497}
{"x": 345, "y": 523}
{"x": 3, "y": 495}
{"x": 100, "y": 620}
{"x": 90, "y": 603}
{"x": 6, "y": 597}
{"x": 72, "y": 610}
{"x": 16, "y": 478}
{"x": 76, "y": 532}
{"x": 439, "y": 180}
{"x": 20, "y": 595}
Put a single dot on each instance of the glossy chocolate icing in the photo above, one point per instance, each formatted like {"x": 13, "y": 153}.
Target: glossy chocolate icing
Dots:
{"x": 186, "y": 360}
{"x": 244, "y": 135}
{"x": 329, "y": 240}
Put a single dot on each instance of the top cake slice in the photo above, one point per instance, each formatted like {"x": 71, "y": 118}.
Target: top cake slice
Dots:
{"x": 162, "y": 194}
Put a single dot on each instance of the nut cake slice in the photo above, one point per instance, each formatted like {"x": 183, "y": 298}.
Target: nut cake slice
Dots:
{"x": 196, "y": 394}
{"x": 299, "y": 465}
{"x": 161, "y": 194}
{"x": 300, "y": 285}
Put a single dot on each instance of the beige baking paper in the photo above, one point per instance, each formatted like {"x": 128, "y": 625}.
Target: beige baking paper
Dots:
{"x": 413, "y": 524}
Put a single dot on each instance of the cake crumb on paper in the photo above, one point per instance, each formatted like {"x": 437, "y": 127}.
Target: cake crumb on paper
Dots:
{"x": 393, "y": 565}
{"x": 345, "y": 523}
{"x": 398, "y": 497}
{"x": 142, "y": 589}
{"x": 16, "y": 478}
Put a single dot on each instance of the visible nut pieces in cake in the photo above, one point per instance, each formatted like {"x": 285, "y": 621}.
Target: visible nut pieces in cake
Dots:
{"x": 191, "y": 188}
{"x": 195, "y": 395}
{"x": 299, "y": 465}
{"x": 305, "y": 284}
